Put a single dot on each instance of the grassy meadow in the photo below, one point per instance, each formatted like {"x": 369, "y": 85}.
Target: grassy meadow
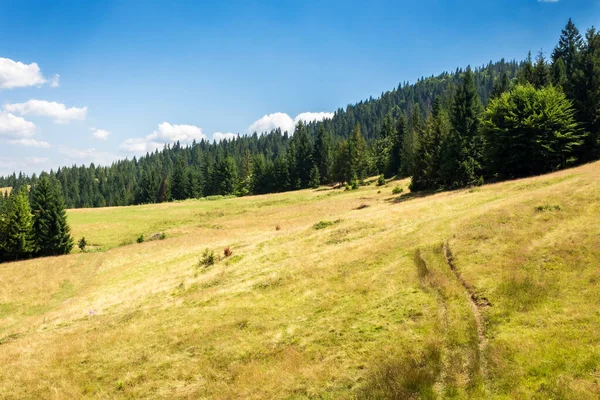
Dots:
{"x": 491, "y": 292}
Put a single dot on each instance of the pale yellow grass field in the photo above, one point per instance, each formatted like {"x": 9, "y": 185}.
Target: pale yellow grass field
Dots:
{"x": 363, "y": 308}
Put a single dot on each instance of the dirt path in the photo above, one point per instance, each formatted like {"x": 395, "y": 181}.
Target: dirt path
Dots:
{"x": 477, "y": 303}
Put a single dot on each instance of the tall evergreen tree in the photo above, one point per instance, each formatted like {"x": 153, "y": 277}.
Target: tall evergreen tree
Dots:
{"x": 180, "y": 183}
{"x": 52, "y": 234}
{"x": 541, "y": 72}
{"x": 568, "y": 47}
{"x": 463, "y": 152}
{"x": 322, "y": 154}
{"x": 19, "y": 241}
{"x": 357, "y": 155}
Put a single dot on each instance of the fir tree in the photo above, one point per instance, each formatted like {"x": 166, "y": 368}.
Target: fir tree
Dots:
{"x": 322, "y": 154}
{"x": 19, "y": 241}
{"x": 51, "y": 232}
{"x": 463, "y": 151}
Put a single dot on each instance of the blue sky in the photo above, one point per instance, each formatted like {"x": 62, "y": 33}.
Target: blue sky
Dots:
{"x": 93, "y": 81}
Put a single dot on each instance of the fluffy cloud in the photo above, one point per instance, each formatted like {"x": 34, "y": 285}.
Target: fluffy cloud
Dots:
{"x": 15, "y": 74}
{"x": 100, "y": 134}
{"x": 218, "y": 136}
{"x": 13, "y": 126}
{"x": 43, "y": 108}
{"x": 166, "y": 133}
{"x": 285, "y": 122}
{"x": 30, "y": 143}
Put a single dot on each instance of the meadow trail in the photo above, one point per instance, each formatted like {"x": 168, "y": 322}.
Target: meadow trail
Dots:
{"x": 477, "y": 303}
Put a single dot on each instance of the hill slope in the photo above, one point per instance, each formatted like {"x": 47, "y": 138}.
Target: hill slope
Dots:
{"x": 489, "y": 292}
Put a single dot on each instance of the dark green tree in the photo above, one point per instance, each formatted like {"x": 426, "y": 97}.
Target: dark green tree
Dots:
{"x": 322, "y": 154}
{"x": 51, "y": 232}
{"x": 19, "y": 241}
{"x": 530, "y": 131}
{"x": 463, "y": 151}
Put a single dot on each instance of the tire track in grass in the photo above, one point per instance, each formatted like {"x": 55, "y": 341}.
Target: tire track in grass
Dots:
{"x": 477, "y": 304}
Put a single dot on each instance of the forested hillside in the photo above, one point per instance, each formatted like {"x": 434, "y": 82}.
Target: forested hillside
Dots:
{"x": 498, "y": 121}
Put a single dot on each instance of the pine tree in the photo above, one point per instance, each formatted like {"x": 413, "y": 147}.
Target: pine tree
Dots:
{"x": 303, "y": 155}
{"x": 322, "y": 154}
{"x": 315, "y": 179}
{"x": 559, "y": 73}
{"x": 180, "y": 181}
{"x": 541, "y": 72}
{"x": 410, "y": 143}
{"x": 586, "y": 83}
{"x": 52, "y": 234}
{"x": 463, "y": 151}
{"x": 357, "y": 155}
{"x": 397, "y": 145}
{"x": 384, "y": 147}
{"x": 568, "y": 47}
{"x": 527, "y": 73}
{"x": 19, "y": 241}
{"x": 429, "y": 152}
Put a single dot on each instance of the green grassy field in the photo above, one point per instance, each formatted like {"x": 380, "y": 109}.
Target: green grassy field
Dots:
{"x": 491, "y": 292}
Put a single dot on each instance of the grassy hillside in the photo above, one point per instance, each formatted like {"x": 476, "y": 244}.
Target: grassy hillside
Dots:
{"x": 490, "y": 292}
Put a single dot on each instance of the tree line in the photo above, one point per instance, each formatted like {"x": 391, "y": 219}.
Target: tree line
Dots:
{"x": 499, "y": 121}
{"x": 33, "y": 223}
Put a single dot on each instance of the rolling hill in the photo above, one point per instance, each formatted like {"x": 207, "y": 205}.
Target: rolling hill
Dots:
{"x": 488, "y": 292}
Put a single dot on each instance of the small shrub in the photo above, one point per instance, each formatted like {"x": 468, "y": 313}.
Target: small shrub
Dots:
{"x": 362, "y": 206}
{"x": 381, "y": 180}
{"x": 348, "y": 187}
{"x": 548, "y": 207}
{"x": 355, "y": 183}
{"x": 140, "y": 238}
{"x": 379, "y": 191}
{"x": 208, "y": 258}
{"x": 397, "y": 190}
{"x": 82, "y": 244}
{"x": 162, "y": 236}
{"x": 277, "y": 228}
{"x": 227, "y": 252}
{"x": 325, "y": 224}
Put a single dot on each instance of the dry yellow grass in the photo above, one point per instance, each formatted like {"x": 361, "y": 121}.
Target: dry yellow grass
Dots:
{"x": 365, "y": 307}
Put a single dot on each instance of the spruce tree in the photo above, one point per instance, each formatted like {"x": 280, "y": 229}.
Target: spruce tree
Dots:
{"x": 541, "y": 72}
{"x": 52, "y": 234}
{"x": 322, "y": 154}
{"x": 19, "y": 241}
{"x": 180, "y": 180}
{"x": 463, "y": 150}
{"x": 397, "y": 145}
{"x": 568, "y": 47}
{"x": 357, "y": 155}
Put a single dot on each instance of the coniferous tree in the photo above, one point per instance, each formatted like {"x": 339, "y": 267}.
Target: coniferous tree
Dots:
{"x": 322, "y": 154}
{"x": 526, "y": 74}
{"x": 429, "y": 152}
{"x": 586, "y": 84}
{"x": 397, "y": 145}
{"x": 19, "y": 241}
{"x": 357, "y": 155}
{"x": 463, "y": 150}
{"x": 559, "y": 73}
{"x": 384, "y": 146}
{"x": 568, "y": 48}
{"x": 180, "y": 183}
{"x": 541, "y": 72}
{"x": 410, "y": 143}
{"x": 52, "y": 234}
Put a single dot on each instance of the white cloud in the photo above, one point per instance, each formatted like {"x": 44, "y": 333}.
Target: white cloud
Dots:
{"x": 313, "y": 116}
{"x": 285, "y": 122}
{"x": 15, "y": 74}
{"x": 13, "y": 126}
{"x": 218, "y": 136}
{"x": 55, "y": 81}
{"x": 100, "y": 134}
{"x": 43, "y": 108}
{"x": 87, "y": 155}
{"x": 166, "y": 133}
{"x": 272, "y": 121}
{"x": 30, "y": 143}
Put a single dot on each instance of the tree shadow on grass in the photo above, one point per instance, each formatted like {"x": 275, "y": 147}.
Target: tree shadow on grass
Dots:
{"x": 410, "y": 196}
